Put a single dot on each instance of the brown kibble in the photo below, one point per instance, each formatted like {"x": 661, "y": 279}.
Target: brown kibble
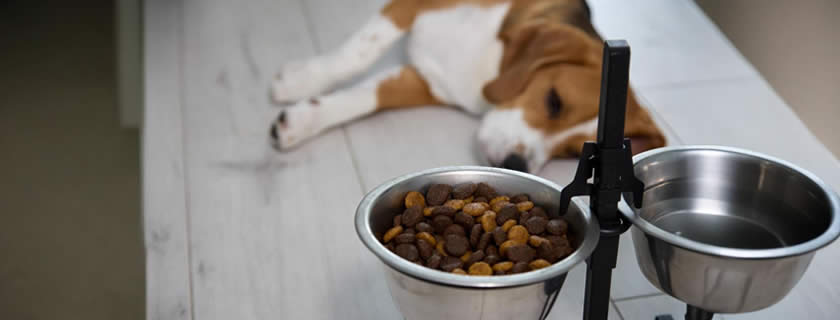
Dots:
{"x": 539, "y": 212}
{"x": 518, "y": 234}
{"x": 538, "y": 264}
{"x": 524, "y": 206}
{"x": 520, "y": 253}
{"x": 451, "y": 263}
{"x": 524, "y": 216}
{"x": 536, "y": 225}
{"x": 454, "y": 229}
{"x": 425, "y": 248}
{"x": 475, "y": 235}
{"x": 503, "y": 266}
{"x": 468, "y": 199}
{"x": 438, "y": 194}
{"x": 423, "y": 227}
{"x": 464, "y": 190}
{"x": 498, "y": 206}
{"x": 440, "y": 223}
{"x": 475, "y": 257}
{"x": 557, "y": 227}
{"x": 407, "y": 251}
{"x": 481, "y": 199}
{"x": 503, "y": 248}
{"x": 550, "y": 252}
{"x": 536, "y": 241}
{"x": 508, "y": 224}
{"x": 485, "y": 190}
{"x": 466, "y": 256}
{"x": 492, "y": 259}
{"x": 390, "y": 246}
{"x": 480, "y": 269}
{"x": 491, "y": 249}
{"x": 393, "y": 232}
{"x": 456, "y": 244}
{"x": 412, "y": 216}
{"x": 458, "y": 271}
{"x": 434, "y": 261}
{"x": 519, "y": 198}
{"x": 507, "y": 212}
{"x": 488, "y": 221}
{"x": 439, "y": 248}
{"x": 484, "y": 240}
{"x": 428, "y": 237}
{"x": 476, "y": 208}
{"x": 443, "y": 211}
{"x": 520, "y": 267}
{"x": 499, "y": 236}
{"x": 499, "y": 199}
{"x": 397, "y": 220}
{"x": 404, "y": 238}
{"x": 415, "y": 198}
{"x": 465, "y": 220}
{"x": 455, "y": 204}
{"x": 409, "y": 230}
{"x": 427, "y": 211}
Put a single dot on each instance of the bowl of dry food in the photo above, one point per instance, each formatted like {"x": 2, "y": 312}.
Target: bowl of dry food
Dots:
{"x": 473, "y": 242}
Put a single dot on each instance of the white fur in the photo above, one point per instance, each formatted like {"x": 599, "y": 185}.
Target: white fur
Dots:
{"x": 504, "y": 129}
{"x": 309, "y": 117}
{"x": 308, "y": 78}
{"x": 457, "y": 51}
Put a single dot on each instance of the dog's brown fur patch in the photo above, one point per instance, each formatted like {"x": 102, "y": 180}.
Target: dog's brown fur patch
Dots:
{"x": 404, "y": 90}
{"x": 403, "y": 12}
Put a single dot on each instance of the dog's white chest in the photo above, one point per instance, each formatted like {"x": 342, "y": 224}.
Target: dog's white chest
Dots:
{"x": 457, "y": 51}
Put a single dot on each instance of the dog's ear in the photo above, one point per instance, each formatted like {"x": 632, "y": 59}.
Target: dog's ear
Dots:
{"x": 643, "y": 132}
{"x": 529, "y": 48}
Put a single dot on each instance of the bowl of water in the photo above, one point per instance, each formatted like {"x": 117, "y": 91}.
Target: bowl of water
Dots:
{"x": 728, "y": 230}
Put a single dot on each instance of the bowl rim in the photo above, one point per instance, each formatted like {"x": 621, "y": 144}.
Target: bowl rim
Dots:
{"x": 365, "y": 233}
{"x": 829, "y": 235}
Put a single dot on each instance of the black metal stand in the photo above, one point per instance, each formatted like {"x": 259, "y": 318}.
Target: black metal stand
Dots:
{"x": 609, "y": 162}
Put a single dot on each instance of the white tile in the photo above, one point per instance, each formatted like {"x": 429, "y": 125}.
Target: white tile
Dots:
{"x": 671, "y": 41}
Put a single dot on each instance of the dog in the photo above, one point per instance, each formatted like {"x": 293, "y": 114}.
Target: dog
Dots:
{"x": 532, "y": 68}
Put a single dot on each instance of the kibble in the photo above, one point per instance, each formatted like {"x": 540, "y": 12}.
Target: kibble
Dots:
{"x": 464, "y": 190}
{"x": 393, "y": 232}
{"x": 471, "y": 229}
{"x": 415, "y": 198}
{"x": 438, "y": 194}
{"x": 480, "y": 269}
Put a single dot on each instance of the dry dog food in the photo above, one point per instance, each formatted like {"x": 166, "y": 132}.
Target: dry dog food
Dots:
{"x": 471, "y": 229}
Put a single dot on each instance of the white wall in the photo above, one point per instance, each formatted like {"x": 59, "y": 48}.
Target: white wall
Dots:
{"x": 796, "y": 47}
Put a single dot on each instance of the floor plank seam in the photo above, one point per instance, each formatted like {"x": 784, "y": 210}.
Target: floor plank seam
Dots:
{"x": 354, "y": 160}
{"x": 643, "y": 296}
{"x": 617, "y": 312}
{"x": 182, "y": 101}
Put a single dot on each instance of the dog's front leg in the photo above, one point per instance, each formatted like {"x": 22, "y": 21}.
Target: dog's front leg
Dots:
{"x": 395, "y": 88}
{"x": 302, "y": 79}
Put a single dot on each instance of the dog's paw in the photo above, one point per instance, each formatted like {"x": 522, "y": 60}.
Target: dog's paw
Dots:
{"x": 293, "y": 126}
{"x": 298, "y": 80}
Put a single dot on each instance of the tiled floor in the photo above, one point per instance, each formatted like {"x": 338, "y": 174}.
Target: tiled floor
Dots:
{"x": 239, "y": 241}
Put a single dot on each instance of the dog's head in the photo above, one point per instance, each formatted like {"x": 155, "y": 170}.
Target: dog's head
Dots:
{"x": 547, "y": 98}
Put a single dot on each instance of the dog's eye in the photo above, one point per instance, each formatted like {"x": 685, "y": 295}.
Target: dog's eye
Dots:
{"x": 553, "y": 103}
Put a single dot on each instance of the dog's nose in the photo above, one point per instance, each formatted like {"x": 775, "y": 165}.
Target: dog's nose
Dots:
{"x": 273, "y": 132}
{"x": 515, "y": 162}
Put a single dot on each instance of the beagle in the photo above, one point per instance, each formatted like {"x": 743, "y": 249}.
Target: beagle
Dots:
{"x": 531, "y": 67}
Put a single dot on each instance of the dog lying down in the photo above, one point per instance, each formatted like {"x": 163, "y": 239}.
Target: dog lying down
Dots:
{"x": 531, "y": 67}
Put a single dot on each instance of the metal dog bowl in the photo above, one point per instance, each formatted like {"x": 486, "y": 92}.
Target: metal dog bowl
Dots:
{"x": 423, "y": 293}
{"x": 728, "y": 230}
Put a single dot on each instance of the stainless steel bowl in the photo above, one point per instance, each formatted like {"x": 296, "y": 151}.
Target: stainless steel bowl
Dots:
{"x": 728, "y": 230}
{"x": 423, "y": 293}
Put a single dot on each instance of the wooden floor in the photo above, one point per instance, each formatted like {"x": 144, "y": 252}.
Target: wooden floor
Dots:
{"x": 230, "y": 225}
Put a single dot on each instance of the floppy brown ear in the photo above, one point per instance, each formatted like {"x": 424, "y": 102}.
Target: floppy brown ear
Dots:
{"x": 529, "y": 48}
{"x": 640, "y": 127}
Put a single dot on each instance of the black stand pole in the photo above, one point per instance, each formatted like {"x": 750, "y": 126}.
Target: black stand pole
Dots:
{"x": 609, "y": 162}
